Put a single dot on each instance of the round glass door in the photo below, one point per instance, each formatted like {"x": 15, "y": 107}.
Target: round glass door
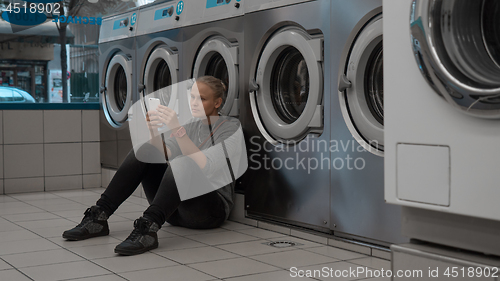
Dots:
{"x": 217, "y": 67}
{"x": 160, "y": 76}
{"x": 287, "y": 103}
{"x": 457, "y": 48}
{"x": 290, "y": 85}
{"x": 118, "y": 94}
{"x": 219, "y": 58}
{"x": 361, "y": 84}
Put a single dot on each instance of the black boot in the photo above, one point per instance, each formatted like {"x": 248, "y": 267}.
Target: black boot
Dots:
{"x": 93, "y": 224}
{"x": 142, "y": 239}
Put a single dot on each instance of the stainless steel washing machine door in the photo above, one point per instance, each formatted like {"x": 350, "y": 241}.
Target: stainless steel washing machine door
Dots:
{"x": 457, "y": 48}
{"x": 361, "y": 84}
{"x": 161, "y": 76}
{"x": 287, "y": 94}
{"x": 117, "y": 94}
{"x": 219, "y": 58}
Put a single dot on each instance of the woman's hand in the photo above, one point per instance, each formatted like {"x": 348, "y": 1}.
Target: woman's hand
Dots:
{"x": 168, "y": 117}
{"x": 153, "y": 120}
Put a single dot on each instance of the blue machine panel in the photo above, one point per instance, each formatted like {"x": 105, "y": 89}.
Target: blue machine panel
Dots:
{"x": 216, "y": 3}
{"x": 164, "y": 13}
{"x": 121, "y": 23}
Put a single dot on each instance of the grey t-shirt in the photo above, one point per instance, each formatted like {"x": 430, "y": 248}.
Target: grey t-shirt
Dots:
{"x": 216, "y": 167}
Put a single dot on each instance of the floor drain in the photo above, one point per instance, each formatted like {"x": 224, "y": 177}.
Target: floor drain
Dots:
{"x": 282, "y": 244}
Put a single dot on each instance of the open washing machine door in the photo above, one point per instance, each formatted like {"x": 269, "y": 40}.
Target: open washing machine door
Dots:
{"x": 160, "y": 77}
{"x": 117, "y": 91}
{"x": 287, "y": 93}
{"x": 361, "y": 83}
{"x": 457, "y": 48}
{"x": 219, "y": 58}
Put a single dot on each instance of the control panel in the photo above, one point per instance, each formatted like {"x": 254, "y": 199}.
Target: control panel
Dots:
{"x": 164, "y": 13}
{"x": 119, "y": 26}
{"x": 215, "y": 3}
{"x": 198, "y": 12}
{"x": 161, "y": 17}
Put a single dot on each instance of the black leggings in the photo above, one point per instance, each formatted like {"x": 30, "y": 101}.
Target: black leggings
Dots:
{"x": 205, "y": 211}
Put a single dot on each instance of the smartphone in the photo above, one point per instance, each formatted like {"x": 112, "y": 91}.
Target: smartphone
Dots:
{"x": 153, "y": 104}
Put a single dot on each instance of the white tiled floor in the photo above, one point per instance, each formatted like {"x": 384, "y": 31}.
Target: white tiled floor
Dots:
{"x": 31, "y": 247}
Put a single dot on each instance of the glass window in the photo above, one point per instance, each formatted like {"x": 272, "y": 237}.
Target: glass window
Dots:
{"x": 290, "y": 85}
{"x": 5, "y": 94}
{"x": 120, "y": 88}
{"x": 17, "y": 97}
{"x": 162, "y": 80}
{"x": 470, "y": 34}
{"x": 217, "y": 68}
{"x": 374, "y": 83}
{"x": 35, "y": 65}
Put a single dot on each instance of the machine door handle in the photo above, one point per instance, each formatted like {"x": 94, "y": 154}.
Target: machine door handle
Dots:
{"x": 344, "y": 83}
{"x": 102, "y": 89}
{"x": 141, "y": 87}
{"x": 253, "y": 86}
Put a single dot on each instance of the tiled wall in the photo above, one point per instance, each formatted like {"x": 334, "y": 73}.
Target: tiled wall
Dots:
{"x": 43, "y": 150}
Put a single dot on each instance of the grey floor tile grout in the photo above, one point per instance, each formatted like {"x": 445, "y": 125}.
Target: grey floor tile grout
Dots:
{"x": 50, "y": 212}
{"x": 201, "y": 271}
{"x": 95, "y": 276}
{"x": 187, "y": 237}
{"x": 7, "y": 263}
{"x": 239, "y": 256}
{"x": 239, "y": 231}
{"x": 15, "y": 268}
{"x": 216, "y": 246}
{"x": 61, "y": 247}
{"x": 77, "y": 198}
{"x": 24, "y": 274}
{"x": 89, "y": 260}
{"x": 12, "y": 197}
{"x": 165, "y": 266}
{"x": 212, "y": 275}
{"x": 364, "y": 256}
{"x": 253, "y": 274}
{"x": 254, "y": 256}
{"x": 186, "y": 264}
{"x": 46, "y": 238}
{"x": 31, "y": 266}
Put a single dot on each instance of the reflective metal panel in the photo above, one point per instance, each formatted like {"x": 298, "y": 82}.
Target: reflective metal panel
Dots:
{"x": 282, "y": 182}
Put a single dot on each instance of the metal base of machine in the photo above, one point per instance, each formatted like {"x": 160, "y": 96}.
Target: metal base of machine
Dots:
{"x": 422, "y": 261}
{"x": 463, "y": 232}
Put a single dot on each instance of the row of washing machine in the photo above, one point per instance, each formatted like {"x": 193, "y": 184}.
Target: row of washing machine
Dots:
{"x": 306, "y": 80}
{"x": 281, "y": 60}
{"x": 146, "y": 49}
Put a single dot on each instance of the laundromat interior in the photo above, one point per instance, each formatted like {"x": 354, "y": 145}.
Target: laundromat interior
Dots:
{"x": 369, "y": 146}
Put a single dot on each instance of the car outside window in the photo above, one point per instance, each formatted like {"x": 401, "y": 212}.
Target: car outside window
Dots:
{"x": 8, "y": 95}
